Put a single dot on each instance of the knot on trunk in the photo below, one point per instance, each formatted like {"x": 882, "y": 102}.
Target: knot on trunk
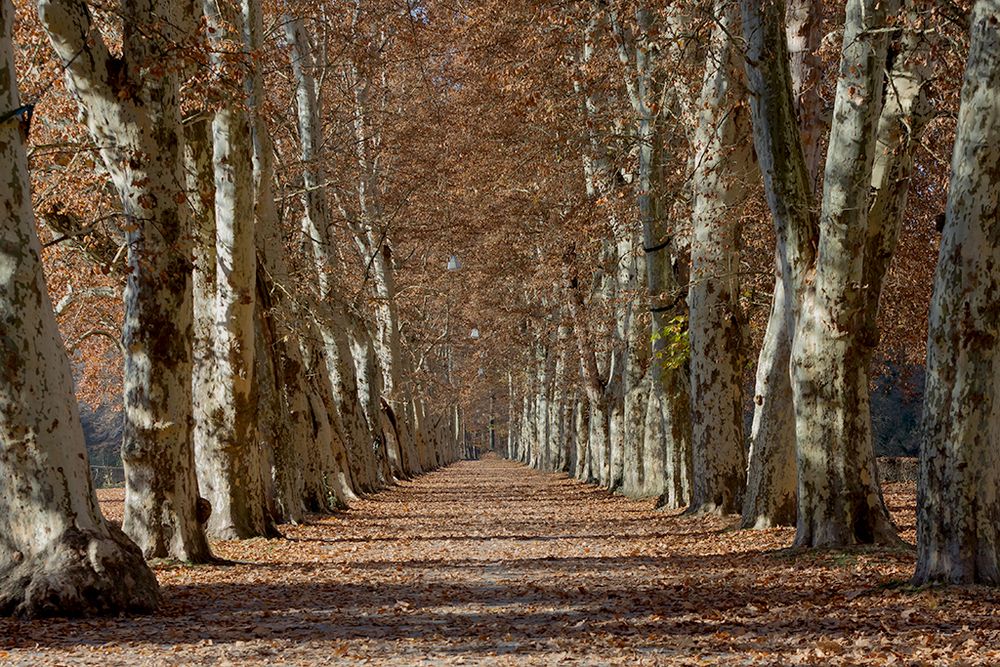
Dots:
{"x": 203, "y": 510}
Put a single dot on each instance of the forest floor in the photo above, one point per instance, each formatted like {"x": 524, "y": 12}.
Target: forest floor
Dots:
{"x": 490, "y": 563}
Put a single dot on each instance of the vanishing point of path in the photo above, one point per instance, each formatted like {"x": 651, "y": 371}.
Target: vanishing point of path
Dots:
{"x": 487, "y": 562}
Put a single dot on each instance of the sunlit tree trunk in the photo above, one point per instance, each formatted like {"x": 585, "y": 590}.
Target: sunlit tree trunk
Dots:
{"x": 368, "y": 78}
{"x": 57, "y": 553}
{"x": 333, "y": 321}
{"x": 771, "y": 479}
{"x": 137, "y": 124}
{"x": 839, "y": 498}
{"x": 958, "y": 535}
{"x": 839, "y": 501}
{"x": 513, "y": 418}
{"x": 368, "y": 380}
{"x": 559, "y": 418}
{"x": 716, "y": 328}
{"x": 582, "y": 418}
{"x": 642, "y": 472}
{"x": 666, "y": 285}
{"x": 905, "y": 113}
{"x": 295, "y": 459}
{"x": 542, "y": 453}
{"x": 228, "y": 454}
{"x": 594, "y": 459}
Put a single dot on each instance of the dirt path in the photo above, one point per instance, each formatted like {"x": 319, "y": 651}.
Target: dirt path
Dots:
{"x": 488, "y": 562}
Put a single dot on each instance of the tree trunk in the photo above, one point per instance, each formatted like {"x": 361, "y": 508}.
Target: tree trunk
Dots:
{"x": 296, "y": 461}
{"x": 541, "y": 459}
{"x": 839, "y": 502}
{"x": 582, "y": 419}
{"x": 905, "y": 114}
{"x": 771, "y": 480}
{"x": 332, "y": 318}
{"x": 228, "y": 456}
{"x": 839, "y": 498}
{"x": 958, "y": 535}
{"x": 58, "y": 556}
{"x": 137, "y": 124}
{"x": 804, "y": 32}
{"x": 716, "y": 323}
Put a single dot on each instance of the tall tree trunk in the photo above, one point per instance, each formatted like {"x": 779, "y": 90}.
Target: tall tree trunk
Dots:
{"x": 333, "y": 317}
{"x": 280, "y": 424}
{"x": 229, "y": 456}
{"x": 958, "y": 536}
{"x": 371, "y": 233}
{"x": 559, "y": 422}
{"x": 137, "y": 124}
{"x": 58, "y": 556}
{"x": 296, "y": 462}
{"x": 839, "y": 501}
{"x": 666, "y": 284}
{"x": 839, "y": 498}
{"x": 715, "y": 327}
{"x": 770, "y": 498}
{"x": 369, "y": 386}
{"x": 541, "y": 459}
{"x": 905, "y": 114}
{"x": 582, "y": 419}
{"x": 804, "y": 32}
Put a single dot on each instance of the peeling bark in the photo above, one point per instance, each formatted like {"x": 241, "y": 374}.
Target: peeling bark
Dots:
{"x": 839, "y": 501}
{"x": 58, "y": 556}
{"x": 771, "y": 478}
{"x": 716, "y": 323}
{"x": 958, "y": 506}
{"x": 135, "y": 118}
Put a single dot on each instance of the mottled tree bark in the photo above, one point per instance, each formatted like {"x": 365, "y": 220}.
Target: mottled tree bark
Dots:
{"x": 770, "y": 498}
{"x": 958, "y": 506}
{"x": 333, "y": 319}
{"x": 228, "y": 455}
{"x": 58, "y": 556}
{"x": 135, "y": 119}
{"x": 716, "y": 327}
{"x": 839, "y": 501}
{"x": 290, "y": 433}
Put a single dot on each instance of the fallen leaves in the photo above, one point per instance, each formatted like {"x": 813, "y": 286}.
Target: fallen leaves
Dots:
{"x": 491, "y": 563}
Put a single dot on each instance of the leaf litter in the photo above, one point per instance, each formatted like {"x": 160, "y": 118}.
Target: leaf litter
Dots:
{"x": 490, "y": 563}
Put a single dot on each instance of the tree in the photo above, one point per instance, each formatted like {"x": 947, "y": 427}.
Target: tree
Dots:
{"x": 905, "y": 113}
{"x": 839, "y": 501}
{"x": 132, "y": 111}
{"x": 771, "y": 477}
{"x": 957, "y": 503}
{"x": 57, "y": 553}
{"x": 227, "y": 452}
{"x": 716, "y": 323}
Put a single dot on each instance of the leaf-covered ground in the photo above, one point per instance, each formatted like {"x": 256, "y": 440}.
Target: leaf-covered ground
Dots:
{"x": 488, "y": 562}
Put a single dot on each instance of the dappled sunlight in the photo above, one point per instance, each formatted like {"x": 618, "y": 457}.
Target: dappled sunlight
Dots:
{"x": 489, "y": 562}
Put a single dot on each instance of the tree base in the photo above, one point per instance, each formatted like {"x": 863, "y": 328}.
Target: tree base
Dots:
{"x": 779, "y": 516}
{"x": 80, "y": 574}
{"x": 879, "y": 531}
{"x": 709, "y": 509}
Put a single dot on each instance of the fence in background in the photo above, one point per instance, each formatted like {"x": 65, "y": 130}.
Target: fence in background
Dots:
{"x": 107, "y": 477}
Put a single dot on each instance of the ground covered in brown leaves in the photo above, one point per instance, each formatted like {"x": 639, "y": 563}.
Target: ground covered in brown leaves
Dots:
{"x": 487, "y": 562}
